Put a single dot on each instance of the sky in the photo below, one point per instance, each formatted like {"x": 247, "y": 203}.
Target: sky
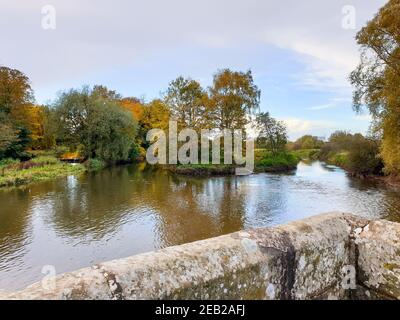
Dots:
{"x": 300, "y": 52}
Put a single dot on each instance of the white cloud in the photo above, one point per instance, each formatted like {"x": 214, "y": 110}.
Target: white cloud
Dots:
{"x": 298, "y": 127}
{"x": 335, "y": 102}
{"x": 95, "y": 36}
{"x": 323, "y": 106}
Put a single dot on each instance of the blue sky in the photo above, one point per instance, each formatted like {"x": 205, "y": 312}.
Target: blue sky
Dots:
{"x": 298, "y": 51}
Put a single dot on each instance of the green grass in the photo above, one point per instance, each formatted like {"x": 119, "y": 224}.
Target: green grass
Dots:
{"x": 39, "y": 169}
{"x": 264, "y": 161}
{"x": 202, "y": 169}
{"x": 281, "y": 162}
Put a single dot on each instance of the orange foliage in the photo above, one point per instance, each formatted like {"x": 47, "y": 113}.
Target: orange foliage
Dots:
{"x": 134, "y": 106}
{"x": 71, "y": 156}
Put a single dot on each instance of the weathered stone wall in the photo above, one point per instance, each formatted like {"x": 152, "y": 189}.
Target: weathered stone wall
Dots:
{"x": 300, "y": 260}
{"x": 378, "y": 251}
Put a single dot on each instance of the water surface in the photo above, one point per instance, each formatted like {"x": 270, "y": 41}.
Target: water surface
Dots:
{"x": 76, "y": 222}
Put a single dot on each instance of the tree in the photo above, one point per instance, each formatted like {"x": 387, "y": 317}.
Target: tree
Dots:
{"x": 30, "y": 117}
{"x": 15, "y": 143}
{"x": 342, "y": 140}
{"x": 103, "y": 92}
{"x": 96, "y": 123}
{"x": 363, "y": 157}
{"x": 377, "y": 77}
{"x": 134, "y": 106}
{"x": 272, "y": 132}
{"x": 187, "y": 102}
{"x": 308, "y": 142}
{"x": 15, "y": 89}
{"x": 15, "y": 94}
{"x": 8, "y": 136}
{"x": 232, "y": 95}
{"x": 156, "y": 115}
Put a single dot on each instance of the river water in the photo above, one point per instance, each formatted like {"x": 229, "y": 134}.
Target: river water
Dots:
{"x": 76, "y": 222}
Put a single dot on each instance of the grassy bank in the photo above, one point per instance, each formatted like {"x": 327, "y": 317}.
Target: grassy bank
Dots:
{"x": 264, "y": 161}
{"x": 201, "y": 169}
{"x": 46, "y": 167}
{"x": 281, "y": 162}
{"x": 339, "y": 159}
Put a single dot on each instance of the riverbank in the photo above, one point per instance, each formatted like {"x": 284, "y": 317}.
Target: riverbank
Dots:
{"x": 340, "y": 159}
{"x": 264, "y": 161}
{"x": 14, "y": 173}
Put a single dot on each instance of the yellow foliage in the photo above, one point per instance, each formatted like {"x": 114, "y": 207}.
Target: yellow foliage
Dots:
{"x": 31, "y": 117}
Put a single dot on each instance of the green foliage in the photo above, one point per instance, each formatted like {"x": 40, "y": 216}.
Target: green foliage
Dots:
{"x": 8, "y": 161}
{"x": 45, "y": 159}
{"x": 93, "y": 165}
{"x": 96, "y": 123}
{"x": 272, "y": 133}
{"x": 307, "y": 154}
{"x": 357, "y": 154}
{"x": 8, "y": 137}
{"x": 338, "y": 159}
{"x": 307, "y": 142}
{"x": 14, "y": 173}
{"x": 17, "y": 147}
{"x": 268, "y": 161}
{"x": 187, "y": 102}
{"x": 364, "y": 157}
{"x": 202, "y": 169}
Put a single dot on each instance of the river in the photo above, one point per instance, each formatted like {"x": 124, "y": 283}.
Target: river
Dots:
{"x": 76, "y": 222}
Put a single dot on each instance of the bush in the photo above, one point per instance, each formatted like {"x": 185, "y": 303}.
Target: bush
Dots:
{"x": 138, "y": 153}
{"x": 94, "y": 165}
{"x": 60, "y": 150}
{"x": 355, "y": 153}
{"x": 338, "y": 159}
{"x": 8, "y": 161}
{"x": 277, "y": 162}
{"x": 364, "y": 159}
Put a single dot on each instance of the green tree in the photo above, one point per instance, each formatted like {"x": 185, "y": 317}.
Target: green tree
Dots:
{"x": 377, "y": 77}
{"x": 8, "y": 136}
{"x": 272, "y": 133}
{"x": 96, "y": 123}
{"x": 308, "y": 142}
{"x": 232, "y": 95}
{"x": 342, "y": 140}
{"x": 363, "y": 157}
{"x": 187, "y": 102}
{"x": 16, "y": 143}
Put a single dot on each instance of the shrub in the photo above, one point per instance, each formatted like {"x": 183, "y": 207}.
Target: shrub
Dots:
{"x": 363, "y": 158}
{"x": 8, "y": 161}
{"x": 277, "y": 162}
{"x": 94, "y": 165}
